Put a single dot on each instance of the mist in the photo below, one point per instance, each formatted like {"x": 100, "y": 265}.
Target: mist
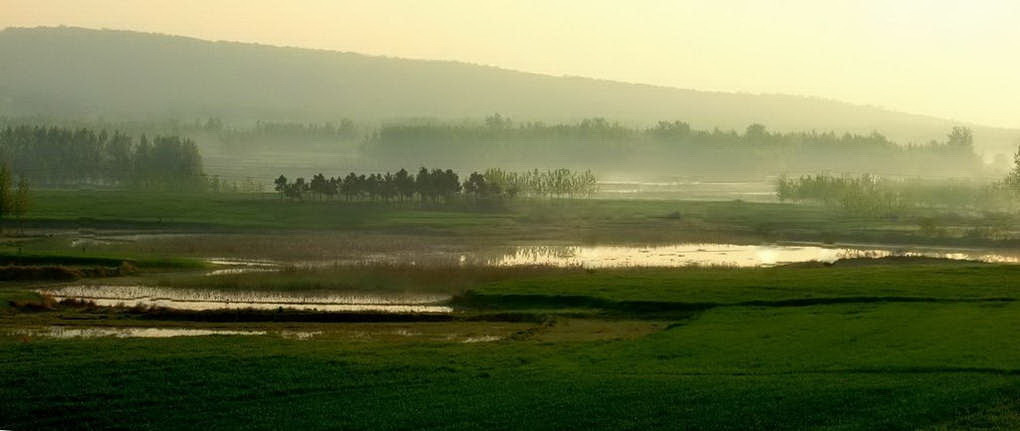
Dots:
{"x": 508, "y": 215}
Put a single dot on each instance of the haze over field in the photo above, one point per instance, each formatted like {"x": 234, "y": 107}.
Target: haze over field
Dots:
{"x": 81, "y": 73}
{"x": 946, "y": 58}
{"x": 509, "y": 214}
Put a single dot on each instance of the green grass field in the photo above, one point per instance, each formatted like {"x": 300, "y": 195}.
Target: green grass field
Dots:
{"x": 881, "y": 361}
{"x": 715, "y": 286}
{"x": 859, "y": 345}
{"x": 592, "y": 221}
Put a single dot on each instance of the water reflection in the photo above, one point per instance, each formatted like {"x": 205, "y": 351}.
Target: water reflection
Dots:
{"x": 199, "y": 300}
{"x": 241, "y": 270}
{"x": 482, "y": 339}
{"x": 249, "y": 263}
{"x": 714, "y": 255}
{"x": 607, "y": 256}
{"x": 241, "y": 266}
{"x": 93, "y": 332}
{"x": 300, "y": 335}
{"x": 141, "y": 332}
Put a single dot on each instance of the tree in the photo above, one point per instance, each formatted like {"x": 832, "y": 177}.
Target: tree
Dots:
{"x": 118, "y": 158}
{"x": 6, "y": 197}
{"x": 675, "y": 130}
{"x": 497, "y": 121}
{"x": 318, "y": 185}
{"x": 588, "y": 183}
{"x": 474, "y": 185}
{"x": 333, "y": 187}
{"x": 373, "y": 186}
{"x": 22, "y": 201}
{"x": 423, "y": 183}
{"x": 961, "y": 137}
{"x": 297, "y": 189}
{"x": 784, "y": 188}
{"x": 1013, "y": 178}
{"x": 448, "y": 184}
{"x": 280, "y": 185}
{"x": 405, "y": 184}
{"x": 349, "y": 186}
{"x": 389, "y": 187}
{"x": 755, "y": 132}
{"x": 142, "y": 159}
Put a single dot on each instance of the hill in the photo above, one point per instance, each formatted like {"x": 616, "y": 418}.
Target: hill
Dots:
{"x": 76, "y": 72}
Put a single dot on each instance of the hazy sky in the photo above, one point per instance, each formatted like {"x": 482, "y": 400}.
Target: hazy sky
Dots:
{"x": 956, "y": 59}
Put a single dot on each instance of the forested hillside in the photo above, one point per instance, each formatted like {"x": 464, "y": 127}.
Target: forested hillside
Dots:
{"x": 80, "y": 73}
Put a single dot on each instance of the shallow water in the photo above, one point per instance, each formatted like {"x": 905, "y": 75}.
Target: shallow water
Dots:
{"x": 718, "y": 255}
{"x": 93, "y": 332}
{"x": 482, "y": 339}
{"x": 241, "y": 266}
{"x": 300, "y": 335}
{"x": 141, "y": 332}
{"x": 241, "y": 270}
{"x": 201, "y": 300}
{"x": 605, "y": 256}
{"x": 245, "y": 263}
{"x": 758, "y": 191}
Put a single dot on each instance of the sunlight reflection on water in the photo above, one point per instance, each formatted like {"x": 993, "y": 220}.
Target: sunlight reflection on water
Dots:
{"x": 199, "y": 300}
{"x": 714, "y": 255}
{"x": 609, "y": 256}
{"x": 127, "y": 332}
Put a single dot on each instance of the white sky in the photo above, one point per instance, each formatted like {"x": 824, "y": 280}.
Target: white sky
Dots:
{"x": 955, "y": 59}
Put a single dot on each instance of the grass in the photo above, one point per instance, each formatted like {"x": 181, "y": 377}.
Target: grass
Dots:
{"x": 388, "y": 278}
{"x": 487, "y": 286}
{"x": 888, "y": 366}
{"x": 73, "y": 259}
{"x": 749, "y": 361}
{"x": 14, "y": 295}
{"x": 897, "y": 345}
{"x": 42, "y": 273}
{"x": 720, "y": 286}
{"x": 592, "y": 221}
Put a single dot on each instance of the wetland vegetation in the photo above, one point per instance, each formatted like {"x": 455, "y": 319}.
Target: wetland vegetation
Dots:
{"x": 541, "y": 312}
{"x": 337, "y": 307}
{"x": 233, "y": 236}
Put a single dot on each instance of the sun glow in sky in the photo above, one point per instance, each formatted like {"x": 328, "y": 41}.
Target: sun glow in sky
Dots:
{"x": 949, "y": 58}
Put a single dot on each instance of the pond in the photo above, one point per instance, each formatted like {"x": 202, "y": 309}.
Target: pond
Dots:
{"x": 678, "y": 189}
{"x": 148, "y": 332}
{"x": 201, "y": 300}
{"x": 623, "y": 256}
{"x": 731, "y": 255}
{"x": 600, "y": 256}
{"x": 125, "y": 332}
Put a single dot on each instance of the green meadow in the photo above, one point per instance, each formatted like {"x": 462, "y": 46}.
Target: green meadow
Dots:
{"x": 896, "y": 346}
{"x": 892, "y": 343}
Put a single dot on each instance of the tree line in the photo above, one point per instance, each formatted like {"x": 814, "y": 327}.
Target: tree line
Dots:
{"x": 560, "y": 182}
{"x": 57, "y": 156}
{"x": 1012, "y": 180}
{"x": 874, "y": 195}
{"x": 870, "y": 194}
{"x": 669, "y": 146}
{"x": 15, "y": 199}
{"x": 271, "y": 136}
{"x": 440, "y": 186}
